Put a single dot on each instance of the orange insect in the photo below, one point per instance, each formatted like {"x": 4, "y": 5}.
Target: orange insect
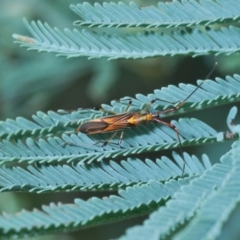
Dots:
{"x": 121, "y": 121}
{"x": 125, "y": 120}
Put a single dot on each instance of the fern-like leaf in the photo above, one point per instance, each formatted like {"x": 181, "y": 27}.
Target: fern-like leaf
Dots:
{"x": 106, "y": 175}
{"x": 81, "y": 148}
{"x": 133, "y": 201}
{"x": 168, "y": 14}
{"x": 197, "y": 205}
{"x": 211, "y": 94}
{"x": 186, "y": 41}
{"x": 182, "y": 207}
{"x": 187, "y": 204}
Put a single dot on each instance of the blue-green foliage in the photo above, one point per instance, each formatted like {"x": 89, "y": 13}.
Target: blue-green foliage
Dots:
{"x": 91, "y": 44}
{"x": 204, "y": 205}
{"x": 193, "y": 204}
{"x": 106, "y": 175}
{"x": 169, "y": 14}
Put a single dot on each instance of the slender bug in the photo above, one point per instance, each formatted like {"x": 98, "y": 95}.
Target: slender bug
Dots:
{"x": 119, "y": 122}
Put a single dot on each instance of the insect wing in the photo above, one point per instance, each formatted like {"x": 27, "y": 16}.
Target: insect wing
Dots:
{"x": 118, "y": 122}
{"x": 106, "y": 124}
{"x": 92, "y": 127}
{"x": 118, "y": 119}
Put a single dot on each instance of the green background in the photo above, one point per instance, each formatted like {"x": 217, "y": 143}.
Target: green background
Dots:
{"x": 31, "y": 81}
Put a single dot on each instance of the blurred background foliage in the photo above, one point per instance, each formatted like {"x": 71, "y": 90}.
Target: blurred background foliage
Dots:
{"x": 31, "y": 81}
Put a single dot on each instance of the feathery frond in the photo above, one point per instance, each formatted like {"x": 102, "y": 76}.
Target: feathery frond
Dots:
{"x": 211, "y": 93}
{"x": 106, "y": 175}
{"x": 184, "y": 204}
{"x": 203, "y": 206}
{"x": 91, "y": 44}
{"x": 193, "y": 206}
{"x": 168, "y": 14}
{"x": 133, "y": 201}
{"x": 81, "y": 148}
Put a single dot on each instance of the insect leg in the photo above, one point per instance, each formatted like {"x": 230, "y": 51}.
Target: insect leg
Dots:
{"x": 104, "y": 143}
{"x": 106, "y": 111}
{"x": 116, "y": 113}
{"x": 153, "y": 101}
{"x": 128, "y": 106}
{"x": 109, "y": 140}
{"x": 178, "y": 136}
{"x": 120, "y": 138}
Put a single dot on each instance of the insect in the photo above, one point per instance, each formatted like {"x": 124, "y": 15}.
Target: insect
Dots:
{"x": 119, "y": 122}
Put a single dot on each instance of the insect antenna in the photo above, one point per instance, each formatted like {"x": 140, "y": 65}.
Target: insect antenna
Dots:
{"x": 209, "y": 74}
{"x": 184, "y": 100}
{"x": 157, "y": 118}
